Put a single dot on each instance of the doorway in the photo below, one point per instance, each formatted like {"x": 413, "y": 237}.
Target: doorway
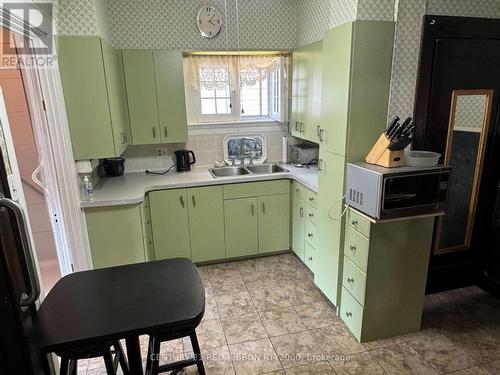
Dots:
{"x": 34, "y": 195}
{"x": 457, "y": 114}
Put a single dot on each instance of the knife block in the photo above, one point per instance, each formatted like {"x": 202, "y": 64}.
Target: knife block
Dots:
{"x": 381, "y": 155}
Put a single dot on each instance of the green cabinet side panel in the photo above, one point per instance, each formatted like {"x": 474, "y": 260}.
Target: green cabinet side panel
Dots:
{"x": 369, "y": 87}
{"x": 141, "y": 96}
{"x": 85, "y": 94}
{"x": 206, "y": 223}
{"x": 170, "y": 94}
{"x": 115, "y": 82}
{"x": 274, "y": 223}
{"x": 169, "y": 219}
{"x": 240, "y": 217}
{"x": 337, "y": 47}
{"x": 115, "y": 235}
{"x": 298, "y": 224}
{"x": 330, "y": 230}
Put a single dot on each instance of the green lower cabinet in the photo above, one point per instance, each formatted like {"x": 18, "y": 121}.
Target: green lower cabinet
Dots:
{"x": 329, "y": 244}
{"x": 240, "y": 217}
{"x": 170, "y": 223}
{"x": 115, "y": 235}
{"x": 274, "y": 223}
{"x": 206, "y": 223}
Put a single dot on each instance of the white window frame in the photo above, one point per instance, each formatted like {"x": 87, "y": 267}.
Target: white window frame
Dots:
{"x": 193, "y": 103}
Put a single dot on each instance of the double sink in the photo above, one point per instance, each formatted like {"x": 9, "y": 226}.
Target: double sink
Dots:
{"x": 246, "y": 170}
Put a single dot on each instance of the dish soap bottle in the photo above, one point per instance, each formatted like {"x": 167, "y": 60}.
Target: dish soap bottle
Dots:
{"x": 88, "y": 188}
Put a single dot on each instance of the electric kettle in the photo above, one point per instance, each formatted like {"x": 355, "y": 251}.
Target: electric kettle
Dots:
{"x": 183, "y": 160}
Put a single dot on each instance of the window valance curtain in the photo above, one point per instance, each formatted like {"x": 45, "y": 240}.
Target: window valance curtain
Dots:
{"x": 209, "y": 72}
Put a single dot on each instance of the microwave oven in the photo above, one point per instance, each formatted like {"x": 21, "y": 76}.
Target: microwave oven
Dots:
{"x": 388, "y": 193}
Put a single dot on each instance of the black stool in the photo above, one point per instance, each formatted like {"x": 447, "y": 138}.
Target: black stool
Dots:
{"x": 69, "y": 360}
{"x": 153, "y": 361}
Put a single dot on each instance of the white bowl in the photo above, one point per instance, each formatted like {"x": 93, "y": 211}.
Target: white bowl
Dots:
{"x": 421, "y": 158}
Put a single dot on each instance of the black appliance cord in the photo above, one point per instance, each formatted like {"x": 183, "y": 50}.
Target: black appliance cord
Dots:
{"x": 161, "y": 173}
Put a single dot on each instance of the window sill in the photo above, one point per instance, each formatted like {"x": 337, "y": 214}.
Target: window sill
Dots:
{"x": 236, "y": 127}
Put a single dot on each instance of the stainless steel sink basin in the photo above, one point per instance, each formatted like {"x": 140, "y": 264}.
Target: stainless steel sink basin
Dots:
{"x": 266, "y": 168}
{"x": 228, "y": 171}
{"x": 250, "y": 169}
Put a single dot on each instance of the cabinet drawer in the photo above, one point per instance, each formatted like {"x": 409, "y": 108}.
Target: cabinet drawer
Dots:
{"x": 351, "y": 313}
{"x": 354, "y": 281}
{"x": 358, "y": 222}
{"x": 310, "y": 213}
{"x": 255, "y": 189}
{"x": 356, "y": 248}
{"x": 311, "y": 234}
{"x": 310, "y": 256}
{"x": 310, "y": 197}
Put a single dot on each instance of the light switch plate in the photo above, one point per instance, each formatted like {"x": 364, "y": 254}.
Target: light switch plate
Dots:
{"x": 161, "y": 151}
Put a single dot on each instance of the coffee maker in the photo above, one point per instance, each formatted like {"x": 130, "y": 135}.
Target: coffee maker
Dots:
{"x": 183, "y": 160}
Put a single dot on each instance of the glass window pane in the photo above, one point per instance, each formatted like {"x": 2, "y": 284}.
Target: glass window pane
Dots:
{"x": 223, "y": 106}
{"x": 264, "y": 98}
{"x": 204, "y": 93}
{"x": 222, "y": 92}
{"x": 208, "y": 106}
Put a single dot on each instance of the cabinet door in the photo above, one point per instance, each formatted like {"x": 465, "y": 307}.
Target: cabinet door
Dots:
{"x": 335, "y": 92}
{"x": 274, "y": 223}
{"x": 84, "y": 85}
{"x": 240, "y": 216}
{"x": 330, "y": 241}
{"x": 170, "y": 94}
{"x": 307, "y": 128}
{"x": 316, "y": 88}
{"x": 115, "y": 82}
{"x": 298, "y": 221}
{"x": 206, "y": 223}
{"x": 115, "y": 235}
{"x": 141, "y": 96}
{"x": 296, "y": 99}
{"x": 169, "y": 219}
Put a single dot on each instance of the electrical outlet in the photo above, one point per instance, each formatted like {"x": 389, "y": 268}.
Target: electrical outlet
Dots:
{"x": 161, "y": 151}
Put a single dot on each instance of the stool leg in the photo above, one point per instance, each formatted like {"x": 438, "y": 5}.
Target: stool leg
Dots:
{"x": 108, "y": 361}
{"x": 197, "y": 352}
{"x": 64, "y": 366}
{"x": 155, "y": 362}
{"x": 73, "y": 366}
{"x": 121, "y": 357}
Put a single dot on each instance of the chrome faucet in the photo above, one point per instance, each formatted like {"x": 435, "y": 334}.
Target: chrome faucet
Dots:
{"x": 243, "y": 155}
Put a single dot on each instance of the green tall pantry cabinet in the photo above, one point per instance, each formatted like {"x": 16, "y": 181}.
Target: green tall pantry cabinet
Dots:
{"x": 155, "y": 94}
{"x": 356, "y": 68}
{"x": 94, "y": 94}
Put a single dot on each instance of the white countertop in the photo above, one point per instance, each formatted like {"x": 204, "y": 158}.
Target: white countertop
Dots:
{"x": 132, "y": 187}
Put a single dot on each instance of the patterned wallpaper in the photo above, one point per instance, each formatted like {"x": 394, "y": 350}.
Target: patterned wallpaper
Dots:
{"x": 342, "y": 11}
{"x": 377, "y": 10}
{"x": 77, "y": 17}
{"x": 313, "y": 20}
{"x": 469, "y": 113}
{"x": 170, "y": 24}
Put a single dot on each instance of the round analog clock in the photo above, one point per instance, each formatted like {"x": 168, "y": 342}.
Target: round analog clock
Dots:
{"x": 209, "y": 22}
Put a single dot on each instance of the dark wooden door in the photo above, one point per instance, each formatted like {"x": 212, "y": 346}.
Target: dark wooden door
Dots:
{"x": 16, "y": 355}
{"x": 461, "y": 54}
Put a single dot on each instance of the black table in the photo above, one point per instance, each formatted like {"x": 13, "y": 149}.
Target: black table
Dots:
{"x": 91, "y": 307}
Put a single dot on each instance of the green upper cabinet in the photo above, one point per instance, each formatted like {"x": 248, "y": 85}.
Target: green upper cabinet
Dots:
{"x": 170, "y": 95}
{"x": 240, "y": 217}
{"x": 306, "y": 89}
{"x": 115, "y": 83}
{"x": 93, "y": 97}
{"x": 274, "y": 223}
{"x": 169, "y": 219}
{"x": 155, "y": 94}
{"x": 141, "y": 96}
{"x": 357, "y": 59}
{"x": 115, "y": 235}
{"x": 206, "y": 223}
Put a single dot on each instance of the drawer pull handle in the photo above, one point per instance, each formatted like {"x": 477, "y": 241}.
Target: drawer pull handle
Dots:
{"x": 348, "y": 314}
{"x": 354, "y": 222}
{"x": 352, "y": 247}
{"x": 311, "y": 215}
{"x": 182, "y": 201}
{"x": 309, "y": 235}
{"x": 194, "y": 200}
{"x": 301, "y": 212}
{"x": 310, "y": 258}
{"x": 350, "y": 280}
{"x": 311, "y": 199}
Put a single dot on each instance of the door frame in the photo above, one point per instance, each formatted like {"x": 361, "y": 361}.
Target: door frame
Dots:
{"x": 53, "y": 132}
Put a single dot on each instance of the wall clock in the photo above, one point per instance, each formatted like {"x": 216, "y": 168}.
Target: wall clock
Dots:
{"x": 209, "y": 22}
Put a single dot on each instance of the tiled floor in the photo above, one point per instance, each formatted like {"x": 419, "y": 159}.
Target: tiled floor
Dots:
{"x": 266, "y": 316}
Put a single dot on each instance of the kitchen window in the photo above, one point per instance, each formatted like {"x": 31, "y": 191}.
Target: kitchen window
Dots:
{"x": 235, "y": 89}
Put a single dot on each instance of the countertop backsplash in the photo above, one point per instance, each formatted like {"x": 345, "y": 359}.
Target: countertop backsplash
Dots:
{"x": 207, "y": 148}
